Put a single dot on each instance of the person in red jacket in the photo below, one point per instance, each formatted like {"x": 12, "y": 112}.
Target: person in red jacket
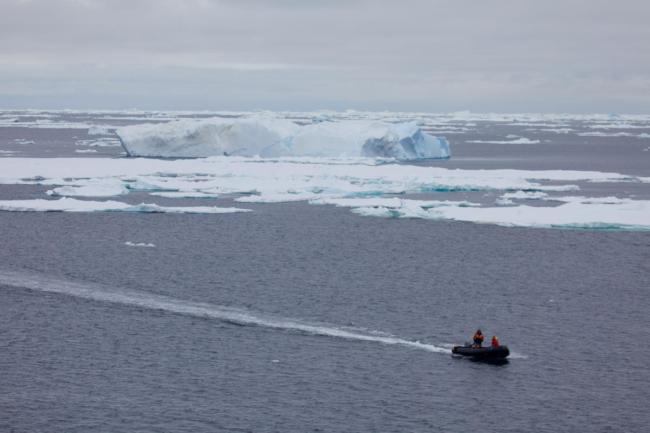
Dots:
{"x": 478, "y": 338}
{"x": 495, "y": 341}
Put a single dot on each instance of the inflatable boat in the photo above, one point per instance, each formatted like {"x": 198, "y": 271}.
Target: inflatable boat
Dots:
{"x": 487, "y": 353}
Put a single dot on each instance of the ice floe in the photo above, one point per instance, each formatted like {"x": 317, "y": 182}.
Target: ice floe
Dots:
{"x": 555, "y": 130}
{"x": 270, "y": 179}
{"x": 99, "y": 130}
{"x": 111, "y": 119}
{"x": 507, "y": 198}
{"x": 106, "y": 187}
{"x": 612, "y": 134}
{"x": 367, "y": 186}
{"x": 626, "y": 215}
{"x": 525, "y": 195}
{"x": 521, "y": 140}
{"x": 616, "y": 125}
{"x": 184, "y": 194}
{"x": 73, "y": 205}
{"x": 23, "y": 141}
{"x": 85, "y": 151}
{"x": 99, "y": 142}
{"x": 139, "y": 244}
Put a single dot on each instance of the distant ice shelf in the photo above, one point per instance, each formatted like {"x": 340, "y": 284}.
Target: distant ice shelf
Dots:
{"x": 268, "y": 136}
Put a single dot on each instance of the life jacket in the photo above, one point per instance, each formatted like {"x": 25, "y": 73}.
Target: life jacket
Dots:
{"x": 495, "y": 342}
{"x": 478, "y": 337}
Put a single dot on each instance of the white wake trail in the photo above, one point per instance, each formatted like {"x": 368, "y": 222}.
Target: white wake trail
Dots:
{"x": 196, "y": 309}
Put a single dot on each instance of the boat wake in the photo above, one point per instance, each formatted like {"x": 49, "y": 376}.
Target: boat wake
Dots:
{"x": 237, "y": 316}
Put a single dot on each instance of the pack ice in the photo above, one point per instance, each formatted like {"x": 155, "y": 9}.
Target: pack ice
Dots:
{"x": 272, "y": 137}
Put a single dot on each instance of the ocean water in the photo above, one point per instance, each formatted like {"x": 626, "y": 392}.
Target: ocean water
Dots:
{"x": 298, "y": 318}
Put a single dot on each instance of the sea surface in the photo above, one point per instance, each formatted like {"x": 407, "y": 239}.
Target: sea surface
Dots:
{"x": 303, "y": 318}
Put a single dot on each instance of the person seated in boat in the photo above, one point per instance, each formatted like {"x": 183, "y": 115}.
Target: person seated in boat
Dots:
{"x": 495, "y": 341}
{"x": 478, "y": 338}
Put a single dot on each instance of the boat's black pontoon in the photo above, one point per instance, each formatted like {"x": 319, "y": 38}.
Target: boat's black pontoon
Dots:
{"x": 488, "y": 353}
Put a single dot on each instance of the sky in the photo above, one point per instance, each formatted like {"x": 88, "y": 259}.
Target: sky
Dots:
{"x": 578, "y": 56}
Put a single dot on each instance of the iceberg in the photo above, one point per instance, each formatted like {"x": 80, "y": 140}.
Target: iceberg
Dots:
{"x": 270, "y": 137}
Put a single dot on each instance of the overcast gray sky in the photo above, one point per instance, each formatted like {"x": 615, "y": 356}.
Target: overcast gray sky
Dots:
{"x": 411, "y": 55}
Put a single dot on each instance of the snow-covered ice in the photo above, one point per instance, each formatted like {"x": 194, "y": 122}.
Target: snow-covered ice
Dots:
{"x": 507, "y": 198}
{"x": 344, "y": 159}
{"x": 106, "y": 187}
{"x": 613, "y": 134}
{"x": 521, "y": 140}
{"x": 139, "y": 244}
{"x": 23, "y": 141}
{"x": 99, "y": 142}
{"x": 626, "y": 215}
{"x": 73, "y": 205}
{"x": 269, "y": 178}
{"x": 99, "y": 130}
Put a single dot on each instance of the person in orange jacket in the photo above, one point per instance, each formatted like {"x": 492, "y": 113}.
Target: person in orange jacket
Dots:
{"x": 478, "y": 338}
{"x": 495, "y": 341}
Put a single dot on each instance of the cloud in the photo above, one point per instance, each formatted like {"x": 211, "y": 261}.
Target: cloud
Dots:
{"x": 413, "y": 54}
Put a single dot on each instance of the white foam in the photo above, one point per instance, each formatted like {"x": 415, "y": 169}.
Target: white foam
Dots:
{"x": 198, "y": 309}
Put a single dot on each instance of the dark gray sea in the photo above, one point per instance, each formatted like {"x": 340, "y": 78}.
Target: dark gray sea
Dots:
{"x": 572, "y": 305}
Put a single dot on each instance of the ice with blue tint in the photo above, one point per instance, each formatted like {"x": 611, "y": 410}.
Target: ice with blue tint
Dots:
{"x": 267, "y": 136}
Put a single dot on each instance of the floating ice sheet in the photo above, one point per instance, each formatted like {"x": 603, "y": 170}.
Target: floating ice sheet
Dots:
{"x": 73, "y": 205}
{"x": 521, "y": 140}
{"x": 613, "y": 134}
{"x": 139, "y": 244}
{"x": 586, "y": 214}
{"x": 364, "y": 185}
